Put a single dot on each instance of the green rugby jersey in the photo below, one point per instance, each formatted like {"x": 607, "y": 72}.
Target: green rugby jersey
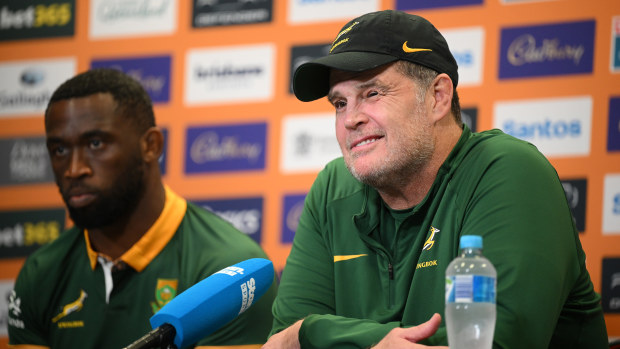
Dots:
{"x": 63, "y": 300}
{"x": 358, "y": 269}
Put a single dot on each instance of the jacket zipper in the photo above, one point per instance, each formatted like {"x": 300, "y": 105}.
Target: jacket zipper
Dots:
{"x": 391, "y": 284}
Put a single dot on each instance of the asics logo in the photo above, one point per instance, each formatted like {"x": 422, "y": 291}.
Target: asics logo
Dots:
{"x": 410, "y": 50}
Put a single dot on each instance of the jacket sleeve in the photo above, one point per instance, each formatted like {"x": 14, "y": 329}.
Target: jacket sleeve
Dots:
{"x": 520, "y": 209}
{"x": 25, "y": 321}
{"x": 307, "y": 287}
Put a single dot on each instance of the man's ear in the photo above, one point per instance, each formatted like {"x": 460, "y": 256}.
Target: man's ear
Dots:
{"x": 152, "y": 143}
{"x": 442, "y": 91}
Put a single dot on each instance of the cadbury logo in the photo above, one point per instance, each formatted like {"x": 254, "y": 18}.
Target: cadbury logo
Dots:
{"x": 524, "y": 50}
{"x": 209, "y": 147}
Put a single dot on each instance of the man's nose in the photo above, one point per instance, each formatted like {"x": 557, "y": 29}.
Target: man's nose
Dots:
{"x": 78, "y": 165}
{"x": 355, "y": 117}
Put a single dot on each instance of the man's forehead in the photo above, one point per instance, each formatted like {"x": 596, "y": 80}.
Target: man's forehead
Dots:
{"x": 336, "y": 75}
{"x": 362, "y": 79}
{"x": 91, "y": 111}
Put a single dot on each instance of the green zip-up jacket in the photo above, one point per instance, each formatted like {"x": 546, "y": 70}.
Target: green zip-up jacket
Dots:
{"x": 358, "y": 269}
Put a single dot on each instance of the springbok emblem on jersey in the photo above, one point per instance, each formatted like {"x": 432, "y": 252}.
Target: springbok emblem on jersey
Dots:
{"x": 431, "y": 239}
{"x": 74, "y": 306}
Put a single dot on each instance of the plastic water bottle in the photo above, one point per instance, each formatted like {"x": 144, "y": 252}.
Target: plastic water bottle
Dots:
{"x": 470, "y": 297}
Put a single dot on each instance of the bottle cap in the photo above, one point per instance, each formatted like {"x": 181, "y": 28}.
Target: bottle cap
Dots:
{"x": 471, "y": 241}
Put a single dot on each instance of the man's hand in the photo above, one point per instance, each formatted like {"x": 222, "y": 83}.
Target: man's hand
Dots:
{"x": 406, "y": 338}
{"x": 286, "y": 339}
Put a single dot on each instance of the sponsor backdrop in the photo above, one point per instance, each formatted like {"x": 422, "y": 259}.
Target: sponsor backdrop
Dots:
{"x": 240, "y": 144}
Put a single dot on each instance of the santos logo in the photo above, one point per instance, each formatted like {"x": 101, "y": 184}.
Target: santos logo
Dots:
{"x": 558, "y": 127}
{"x": 545, "y": 129}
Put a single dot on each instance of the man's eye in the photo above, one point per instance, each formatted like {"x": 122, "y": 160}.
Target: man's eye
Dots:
{"x": 58, "y": 150}
{"x": 96, "y": 143}
{"x": 339, "y": 104}
{"x": 372, "y": 94}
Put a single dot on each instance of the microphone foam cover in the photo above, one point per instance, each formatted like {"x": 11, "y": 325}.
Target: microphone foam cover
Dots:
{"x": 216, "y": 300}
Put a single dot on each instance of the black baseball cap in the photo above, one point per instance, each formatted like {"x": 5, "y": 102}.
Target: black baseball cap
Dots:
{"x": 372, "y": 40}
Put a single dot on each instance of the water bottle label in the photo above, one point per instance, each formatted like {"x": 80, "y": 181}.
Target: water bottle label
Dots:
{"x": 470, "y": 288}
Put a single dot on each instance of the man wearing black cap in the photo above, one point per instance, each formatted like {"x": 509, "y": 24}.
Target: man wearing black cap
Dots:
{"x": 381, "y": 224}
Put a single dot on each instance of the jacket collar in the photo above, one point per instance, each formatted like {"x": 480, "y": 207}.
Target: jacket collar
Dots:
{"x": 366, "y": 223}
{"x": 154, "y": 240}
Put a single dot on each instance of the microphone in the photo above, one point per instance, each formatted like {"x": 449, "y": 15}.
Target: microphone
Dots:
{"x": 208, "y": 305}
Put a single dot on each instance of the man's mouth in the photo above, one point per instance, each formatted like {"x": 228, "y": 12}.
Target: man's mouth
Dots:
{"x": 366, "y": 141}
{"x": 80, "y": 198}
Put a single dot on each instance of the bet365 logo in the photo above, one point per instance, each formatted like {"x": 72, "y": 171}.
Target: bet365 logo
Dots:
{"x": 36, "y": 16}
